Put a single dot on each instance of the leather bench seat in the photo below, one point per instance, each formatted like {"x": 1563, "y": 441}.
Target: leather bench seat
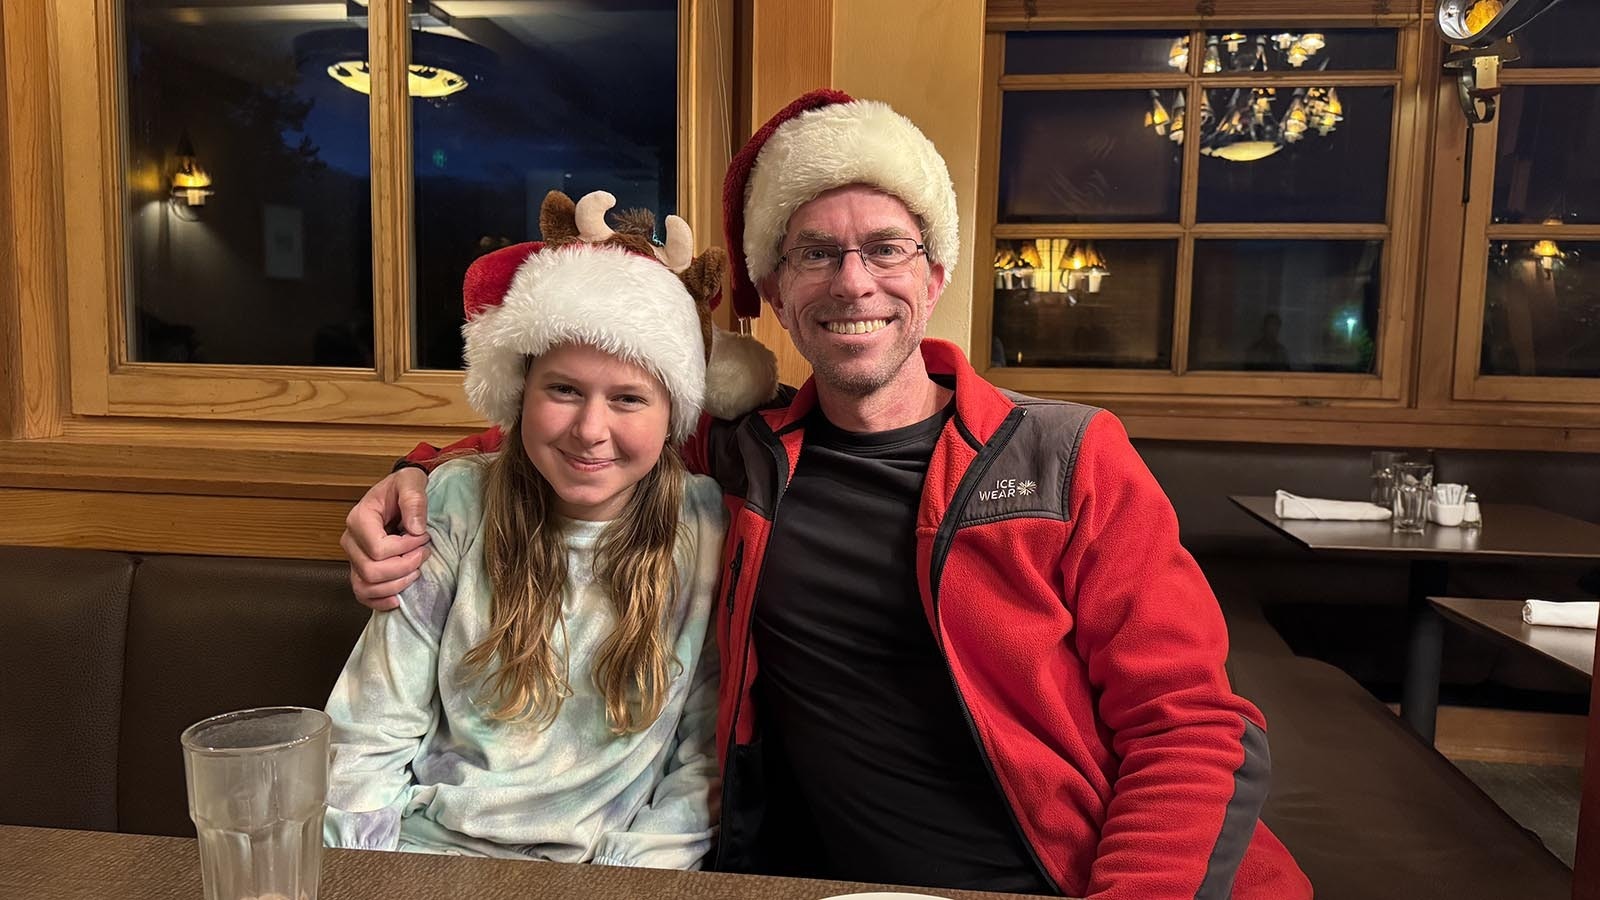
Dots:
{"x": 110, "y": 656}
{"x": 1368, "y": 809}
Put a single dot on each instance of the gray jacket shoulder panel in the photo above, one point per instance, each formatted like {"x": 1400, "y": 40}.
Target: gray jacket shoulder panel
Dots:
{"x": 1032, "y": 474}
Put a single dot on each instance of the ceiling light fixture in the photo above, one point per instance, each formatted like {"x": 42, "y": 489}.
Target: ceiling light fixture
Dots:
{"x": 1249, "y": 128}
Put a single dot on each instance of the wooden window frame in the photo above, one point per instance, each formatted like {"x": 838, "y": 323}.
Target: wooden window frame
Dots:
{"x": 104, "y": 382}
{"x": 1388, "y": 383}
{"x": 1478, "y": 234}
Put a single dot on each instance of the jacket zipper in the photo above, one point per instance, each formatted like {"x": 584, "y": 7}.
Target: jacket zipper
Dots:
{"x": 941, "y": 550}
{"x": 733, "y": 574}
{"x": 780, "y": 460}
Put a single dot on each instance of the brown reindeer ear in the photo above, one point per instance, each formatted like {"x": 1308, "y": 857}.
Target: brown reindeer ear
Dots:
{"x": 558, "y": 223}
{"x": 741, "y": 374}
{"x": 703, "y": 277}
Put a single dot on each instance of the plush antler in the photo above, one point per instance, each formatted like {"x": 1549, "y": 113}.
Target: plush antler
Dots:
{"x": 590, "y": 215}
{"x": 679, "y": 251}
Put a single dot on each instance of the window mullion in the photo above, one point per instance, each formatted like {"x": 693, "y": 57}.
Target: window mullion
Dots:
{"x": 1188, "y": 204}
{"x": 389, "y": 46}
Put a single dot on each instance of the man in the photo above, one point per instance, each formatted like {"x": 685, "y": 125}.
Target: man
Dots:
{"x": 961, "y": 645}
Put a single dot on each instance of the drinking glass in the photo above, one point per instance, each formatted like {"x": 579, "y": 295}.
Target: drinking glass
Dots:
{"x": 1383, "y": 476}
{"x": 1413, "y": 484}
{"x": 258, "y": 786}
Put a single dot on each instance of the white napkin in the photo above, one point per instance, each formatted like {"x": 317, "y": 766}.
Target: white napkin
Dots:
{"x": 1292, "y": 506}
{"x": 1573, "y": 614}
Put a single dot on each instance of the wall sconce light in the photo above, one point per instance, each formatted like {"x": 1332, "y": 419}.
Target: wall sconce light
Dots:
{"x": 1480, "y": 23}
{"x": 1549, "y": 255}
{"x": 190, "y": 183}
{"x": 1479, "y": 32}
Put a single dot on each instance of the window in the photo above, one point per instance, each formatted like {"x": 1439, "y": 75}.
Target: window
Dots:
{"x": 302, "y": 185}
{"x": 1177, "y": 212}
{"x": 1529, "y": 327}
{"x": 248, "y": 190}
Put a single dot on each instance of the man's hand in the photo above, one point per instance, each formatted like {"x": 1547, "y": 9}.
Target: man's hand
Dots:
{"x": 382, "y": 563}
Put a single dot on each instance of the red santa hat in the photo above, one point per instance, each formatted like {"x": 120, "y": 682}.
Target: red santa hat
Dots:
{"x": 823, "y": 140}
{"x": 613, "y": 290}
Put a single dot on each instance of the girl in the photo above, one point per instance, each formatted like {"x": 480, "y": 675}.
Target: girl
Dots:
{"x": 547, "y": 687}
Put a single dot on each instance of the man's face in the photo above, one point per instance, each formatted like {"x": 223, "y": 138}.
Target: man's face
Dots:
{"x": 857, "y": 328}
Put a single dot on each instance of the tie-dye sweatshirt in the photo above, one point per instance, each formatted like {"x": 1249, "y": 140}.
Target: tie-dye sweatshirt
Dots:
{"x": 418, "y": 765}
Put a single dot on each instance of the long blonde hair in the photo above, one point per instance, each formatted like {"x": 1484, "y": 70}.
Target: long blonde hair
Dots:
{"x": 527, "y": 565}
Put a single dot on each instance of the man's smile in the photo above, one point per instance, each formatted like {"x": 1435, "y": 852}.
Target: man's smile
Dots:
{"x": 856, "y": 326}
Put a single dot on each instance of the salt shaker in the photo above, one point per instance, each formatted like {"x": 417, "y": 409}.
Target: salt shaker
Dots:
{"x": 1471, "y": 516}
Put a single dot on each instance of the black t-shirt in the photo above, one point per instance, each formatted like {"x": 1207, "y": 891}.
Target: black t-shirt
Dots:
{"x": 873, "y": 772}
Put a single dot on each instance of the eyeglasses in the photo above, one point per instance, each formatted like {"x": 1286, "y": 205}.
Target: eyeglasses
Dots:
{"x": 881, "y": 257}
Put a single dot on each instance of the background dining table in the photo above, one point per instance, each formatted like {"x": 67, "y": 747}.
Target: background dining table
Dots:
{"x": 53, "y": 864}
{"x": 1570, "y": 649}
{"x": 1510, "y": 531}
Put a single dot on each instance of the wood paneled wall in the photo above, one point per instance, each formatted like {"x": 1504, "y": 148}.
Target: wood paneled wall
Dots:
{"x": 32, "y": 331}
{"x": 791, "y": 52}
{"x": 923, "y": 57}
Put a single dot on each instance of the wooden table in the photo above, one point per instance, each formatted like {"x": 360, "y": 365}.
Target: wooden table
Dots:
{"x": 49, "y": 864}
{"x": 1571, "y": 648}
{"x": 1574, "y": 650}
{"x": 1509, "y": 532}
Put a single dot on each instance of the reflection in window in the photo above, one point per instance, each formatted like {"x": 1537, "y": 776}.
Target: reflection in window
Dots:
{"x": 1288, "y": 49}
{"x": 1094, "y": 52}
{"x": 1542, "y": 310}
{"x": 1544, "y": 167}
{"x": 1334, "y": 169}
{"x": 249, "y": 218}
{"x": 1561, "y": 37}
{"x": 1102, "y": 304}
{"x": 578, "y": 97}
{"x": 1289, "y": 306}
{"x": 1084, "y": 156}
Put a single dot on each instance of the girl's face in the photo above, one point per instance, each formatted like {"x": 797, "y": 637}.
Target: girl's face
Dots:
{"x": 593, "y": 425}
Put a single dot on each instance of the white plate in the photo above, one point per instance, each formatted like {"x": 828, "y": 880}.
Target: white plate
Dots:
{"x": 885, "y": 895}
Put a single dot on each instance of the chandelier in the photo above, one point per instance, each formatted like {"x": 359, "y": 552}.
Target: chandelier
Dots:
{"x": 1050, "y": 266}
{"x": 1251, "y": 125}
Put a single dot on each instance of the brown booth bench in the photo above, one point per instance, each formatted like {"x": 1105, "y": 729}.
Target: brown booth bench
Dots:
{"x": 109, "y": 655}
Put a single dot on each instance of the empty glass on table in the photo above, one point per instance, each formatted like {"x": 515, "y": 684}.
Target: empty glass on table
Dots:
{"x": 258, "y": 785}
{"x": 1413, "y": 484}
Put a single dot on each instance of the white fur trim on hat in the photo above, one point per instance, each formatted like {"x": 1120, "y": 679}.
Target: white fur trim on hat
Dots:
{"x": 625, "y": 304}
{"x": 860, "y": 142}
